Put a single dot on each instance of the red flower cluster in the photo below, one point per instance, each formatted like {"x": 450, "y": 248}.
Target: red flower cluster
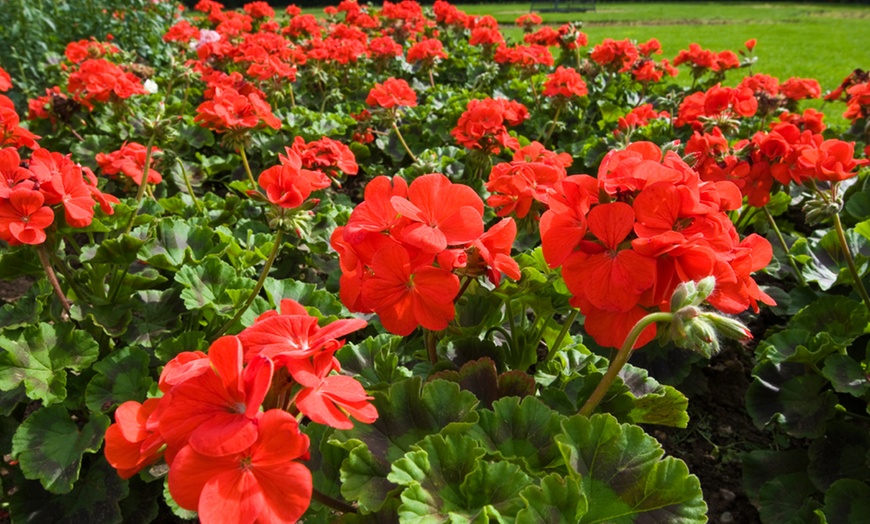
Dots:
{"x": 288, "y": 184}
{"x": 638, "y": 117}
{"x": 98, "y": 80}
{"x": 526, "y": 57}
{"x": 615, "y": 55}
{"x": 703, "y": 60}
{"x": 855, "y": 89}
{"x": 11, "y": 134}
{"x": 182, "y": 32}
{"x": 426, "y": 51}
{"x": 447, "y": 14}
{"x": 482, "y": 125}
{"x": 229, "y": 460}
{"x": 402, "y": 246}
{"x": 528, "y": 21}
{"x": 78, "y": 52}
{"x": 28, "y": 194}
{"x": 130, "y": 161}
{"x": 326, "y": 155}
{"x": 231, "y": 111}
{"x": 716, "y": 104}
{"x": 393, "y": 93}
{"x": 565, "y": 82}
{"x": 529, "y": 178}
{"x": 628, "y": 238}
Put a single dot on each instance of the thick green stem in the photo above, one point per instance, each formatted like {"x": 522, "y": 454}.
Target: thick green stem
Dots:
{"x": 621, "y": 359}
{"x": 144, "y": 182}
{"x": 847, "y": 253}
{"x": 247, "y": 167}
{"x": 52, "y": 279}
{"x": 563, "y": 333}
{"x": 256, "y": 291}
{"x": 330, "y": 502}
{"x": 402, "y": 140}
{"x": 785, "y": 247}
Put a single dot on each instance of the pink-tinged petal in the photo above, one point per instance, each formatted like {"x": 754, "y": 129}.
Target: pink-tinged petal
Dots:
{"x": 611, "y": 223}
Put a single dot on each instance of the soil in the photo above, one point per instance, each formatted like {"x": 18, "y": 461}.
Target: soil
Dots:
{"x": 12, "y": 290}
{"x": 720, "y": 431}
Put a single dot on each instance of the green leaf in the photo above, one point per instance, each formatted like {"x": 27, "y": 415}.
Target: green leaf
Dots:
{"x": 557, "y": 500}
{"x": 122, "y": 251}
{"x": 797, "y": 346}
{"x": 95, "y": 498}
{"x": 787, "y": 499}
{"x": 156, "y": 315}
{"x": 188, "y": 341}
{"x": 206, "y": 286}
{"x": 792, "y": 397}
{"x": 481, "y": 378}
{"x": 122, "y": 376}
{"x": 841, "y": 454}
{"x": 846, "y": 375}
{"x": 49, "y": 446}
{"x": 319, "y": 302}
{"x": 20, "y": 261}
{"x": 520, "y": 432}
{"x": 26, "y": 309}
{"x": 407, "y": 412}
{"x": 38, "y": 355}
{"x": 762, "y": 466}
{"x": 621, "y": 469}
{"x": 847, "y": 502}
{"x": 177, "y": 242}
{"x": 840, "y": 316}
{"x": 374, "y": 360}
{"x": 445, "y": 481}
{"x": 654, "y": 403}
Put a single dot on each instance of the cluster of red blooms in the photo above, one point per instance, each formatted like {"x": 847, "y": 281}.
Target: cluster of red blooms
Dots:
{"x": 403, "y": 247}
{"x": 482, "y": 125}
{"x": 231, "y": 111}
{"x": 326, "y": 155}
{"x": 130, "y": 162}
{"x": 529, "y": 178}
{"x": 289, "y": 184}
{"x": 703, "y": 60}
{"x": 565, "y": 82}
{"x": 623, "y": 56}
{"x": 528, "y": 21}
{"x": 717, "y": 104}
{"x": 426, "y": 52}
{"x": 626, "y": 239}
{"x": 31, "y": 192}
{"x": 228, "y": 459}
{"x": 78, "y": 52}
{"x": 793, "y": 151}
{"x": 855, "y": 90}
{"x": 392, "y": 94}
{"x": 524, "y": 57}
{"x": 637, "y": 118}
{"x": 12, "y": 134}
{"x": 484, "y": 31}
{"x": 568, "y": 36}
{"x": 98, "y": 80}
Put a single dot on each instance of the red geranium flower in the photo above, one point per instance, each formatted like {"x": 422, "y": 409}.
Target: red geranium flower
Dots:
{"x": 23, "y": 218}
{"x": 394, "y": 92}
{"x": 287, "y": 184}
{"x": 133, "y": 441}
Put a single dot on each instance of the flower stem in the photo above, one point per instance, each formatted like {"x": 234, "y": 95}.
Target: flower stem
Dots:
{"x": 785, "y": 247}
{"x": 859, "y": 285}
{"x": 431, "y": 77}
{"x": 256, "y": 291}
{"x": 402, "y": 140}
{"x": 52, "y": 279}
{"x": 563, "y": 333}
{"x": 144, "y": 182}
{"x": 432, "y": 346}
{"x": 553, "y": 124}
{"x": 330, "y": 502}
{"x": 247, "y": 167}
{"x": 189, "y": 187}
{"x": 621, "y": 359}
{"x": 292, "y": 96}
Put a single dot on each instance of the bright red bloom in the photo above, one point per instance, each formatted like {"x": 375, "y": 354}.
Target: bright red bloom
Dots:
{"x": 565, "y": 82}
{"x": 294, "y": 334}
{"x": 181, "y": 32}
{"x": 801, "y": 88}
{"x": 77, "y": 52}
{"x": 288, "y": 184}
{"x": 750, "y": 44}
{"x": 406, "y": 296}
{"x": 261, "y": 483}
{"x": 760, "y": 83}
{"x": 11, "y": 134}
{"x": 528, "y": 21}
{"x": 329, "y": 400}
{"x": 833, "y": 161}
{"x": 493, "y": 249}
{"x": 98, "y": 80}
{"x": 326, "y": 155}
{"x": 133, "y": 441}
{"x": 65, "y": 185}
{"x": 23, "y": 218}
{"x": 259, "y": 10}
{"x": 546, "y": 36}
{"x": 515, "y": 186}
{"x": 485, "y": 36}
{"x": 482, "y": 125}
{"x": 130, "y": 161}
{"x": 615, "y": 55}
{"x": 217, "y": 412}
{"x": 5, "y": 80}
{"x": 525, "y": 57}
{"x": 384, "y": 47}
{"x": 427, "y": 51}
{"x": 231, "y": 111}
{"x": 394, "y": 92}
{"x": 439, "y": 213}
{"x": 639, "y": 117}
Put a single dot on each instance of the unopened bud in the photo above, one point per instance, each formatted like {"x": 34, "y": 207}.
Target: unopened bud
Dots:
{"x": 700, "y": 337}
{"x": 728, "y": 327}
